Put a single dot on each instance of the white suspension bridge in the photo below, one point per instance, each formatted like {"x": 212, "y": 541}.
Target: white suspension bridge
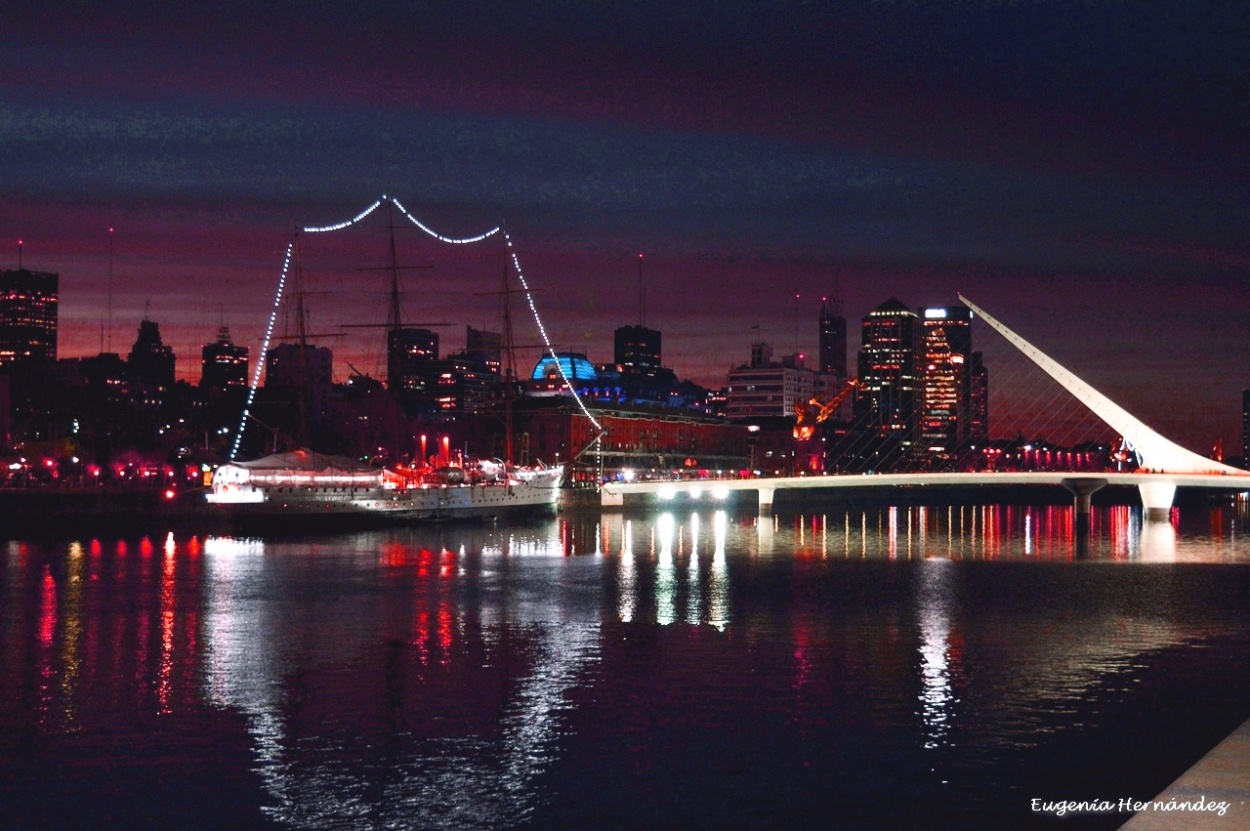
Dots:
{"x": 1165, "y": 465}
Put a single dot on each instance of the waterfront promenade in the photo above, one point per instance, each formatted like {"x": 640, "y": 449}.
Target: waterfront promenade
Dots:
{"x": 1222, "y": 776}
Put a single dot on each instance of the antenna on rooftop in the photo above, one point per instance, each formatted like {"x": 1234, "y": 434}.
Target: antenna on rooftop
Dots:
{"x": 110, "y": 318}
{"x": 642, "y": 303}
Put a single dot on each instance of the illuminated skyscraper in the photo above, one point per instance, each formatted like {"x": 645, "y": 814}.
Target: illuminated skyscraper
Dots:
{"x": 887, "y": 400}
{"x": 411, "y": 355}
{"x": 946, "y": 389}
{"x": 28, "y": 315}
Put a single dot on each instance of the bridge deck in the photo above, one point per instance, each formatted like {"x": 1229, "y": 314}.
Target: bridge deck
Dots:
{"x": 1218, "y": 481}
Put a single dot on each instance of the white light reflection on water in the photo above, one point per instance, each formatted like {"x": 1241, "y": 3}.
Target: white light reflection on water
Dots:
{"x": 694, "y": 595}
{"x": 462, "y": 781}
{"x": 239, "y": 670}
{"x": 665, "y": 573}
{"x": 1032, "y": 533}
{"x": 627, "y": 576}
{"x": 718, "y": 580}
{"x": 933, "y": 613}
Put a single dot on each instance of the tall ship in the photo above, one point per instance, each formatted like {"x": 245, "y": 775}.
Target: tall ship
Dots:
{"x": 304, "y": 483}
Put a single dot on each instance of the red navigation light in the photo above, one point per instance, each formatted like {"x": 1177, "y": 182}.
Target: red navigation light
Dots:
{"x": 170, "y": 493}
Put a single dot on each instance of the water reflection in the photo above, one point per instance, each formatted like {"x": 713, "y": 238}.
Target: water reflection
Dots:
{"x": 627, "y": 579}
{"x": 468, "y": 775}
{"x": 718, "y": 579}
{"x": 933, "y": 611}
{"x": 665, "y": 573}
{"x": 441, "y": 677}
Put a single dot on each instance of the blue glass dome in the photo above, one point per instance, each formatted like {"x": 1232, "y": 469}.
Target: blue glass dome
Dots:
{"x": 574, "y": 364}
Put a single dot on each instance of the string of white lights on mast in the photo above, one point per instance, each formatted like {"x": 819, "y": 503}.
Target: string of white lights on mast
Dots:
{"x": 339, "y": 226}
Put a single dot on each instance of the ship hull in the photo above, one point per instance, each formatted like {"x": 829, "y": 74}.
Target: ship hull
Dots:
{"x": 305, "y": 487}
{"x": 418, "y": 505}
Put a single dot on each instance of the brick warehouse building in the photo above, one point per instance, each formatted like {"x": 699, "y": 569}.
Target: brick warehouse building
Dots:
{"x": 646, "y": 440}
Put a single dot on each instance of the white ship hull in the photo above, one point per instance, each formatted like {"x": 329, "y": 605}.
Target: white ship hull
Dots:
{"x": 306, "y": 485}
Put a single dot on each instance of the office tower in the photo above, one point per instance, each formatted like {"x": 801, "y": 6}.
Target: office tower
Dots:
{"x": 636, "y": 349}
{"x": 28, "y": 316}
{"x": 832, "y": 340}
{"x": 946, "y": 393}
{"x": 978, "y": 400}
{"x": 294, "y": 367}
{"x": 767, "y": 388}
{"x": 886, "y": 402}
{"x": 411, "y": 355}
{"x": 151, "y": 362}
{"x": 224, "y": 366}
{"x": 484, "y": 349}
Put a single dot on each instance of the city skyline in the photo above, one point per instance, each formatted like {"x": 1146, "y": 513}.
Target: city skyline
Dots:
{"x": 1080, "y": 170}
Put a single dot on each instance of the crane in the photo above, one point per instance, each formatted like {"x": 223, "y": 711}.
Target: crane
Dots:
{"x": 815, "y": 411}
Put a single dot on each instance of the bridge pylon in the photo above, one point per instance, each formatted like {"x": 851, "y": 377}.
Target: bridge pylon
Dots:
{"x": 1158, "y": 454}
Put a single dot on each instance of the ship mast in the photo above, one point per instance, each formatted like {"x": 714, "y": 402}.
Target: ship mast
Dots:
{"x": 393, "y": 315}
{"x": 509, "y": 364}
{"x": 301, "y": 338}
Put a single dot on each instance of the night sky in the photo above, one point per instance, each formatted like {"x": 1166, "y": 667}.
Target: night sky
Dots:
{"x": 1080, "y": 169}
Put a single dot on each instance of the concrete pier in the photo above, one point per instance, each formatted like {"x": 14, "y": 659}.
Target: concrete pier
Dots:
{"x": 1156, "y": 499}
{"x": 1222, "y": 776}
{"x": 1082, "y": 490}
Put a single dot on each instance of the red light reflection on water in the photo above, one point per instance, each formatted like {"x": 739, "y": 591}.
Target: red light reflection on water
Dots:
{"x": 1215, "y": 526}
{"x": 47, "y": 609}
{"x": 47, "y": 632}
{"x": 423, "y": 635}
{"x": 168, "y": 596}
{"x": 444, "y": 632}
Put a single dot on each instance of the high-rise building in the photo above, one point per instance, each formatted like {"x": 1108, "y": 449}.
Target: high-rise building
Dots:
{"x": 224, "y": 366}
{"x": 978, "y": 400}
{"x": 485, "y": 349}
{"x": 636, "y": 349}
{"x": 411, "y": 356}
{"x": 946, "y": 393}
{"x": 886, "y": 402}
{"x": 28, "y": 315}
{"x": 292, "y": 366}
{"x": 832, "y": 340}
{"x": 765, "y": 388}
{"x": 151, "y": 362}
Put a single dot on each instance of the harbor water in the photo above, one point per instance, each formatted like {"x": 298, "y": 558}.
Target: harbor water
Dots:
{"x": 941, "y": 667}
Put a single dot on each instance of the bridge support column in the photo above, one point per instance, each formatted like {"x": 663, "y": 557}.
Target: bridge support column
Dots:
{"x": 766, "y": 500}
{"x": 1156, "y": 499}
{"x": 1082, "y": 490}
{"x": 607, "y": 499}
